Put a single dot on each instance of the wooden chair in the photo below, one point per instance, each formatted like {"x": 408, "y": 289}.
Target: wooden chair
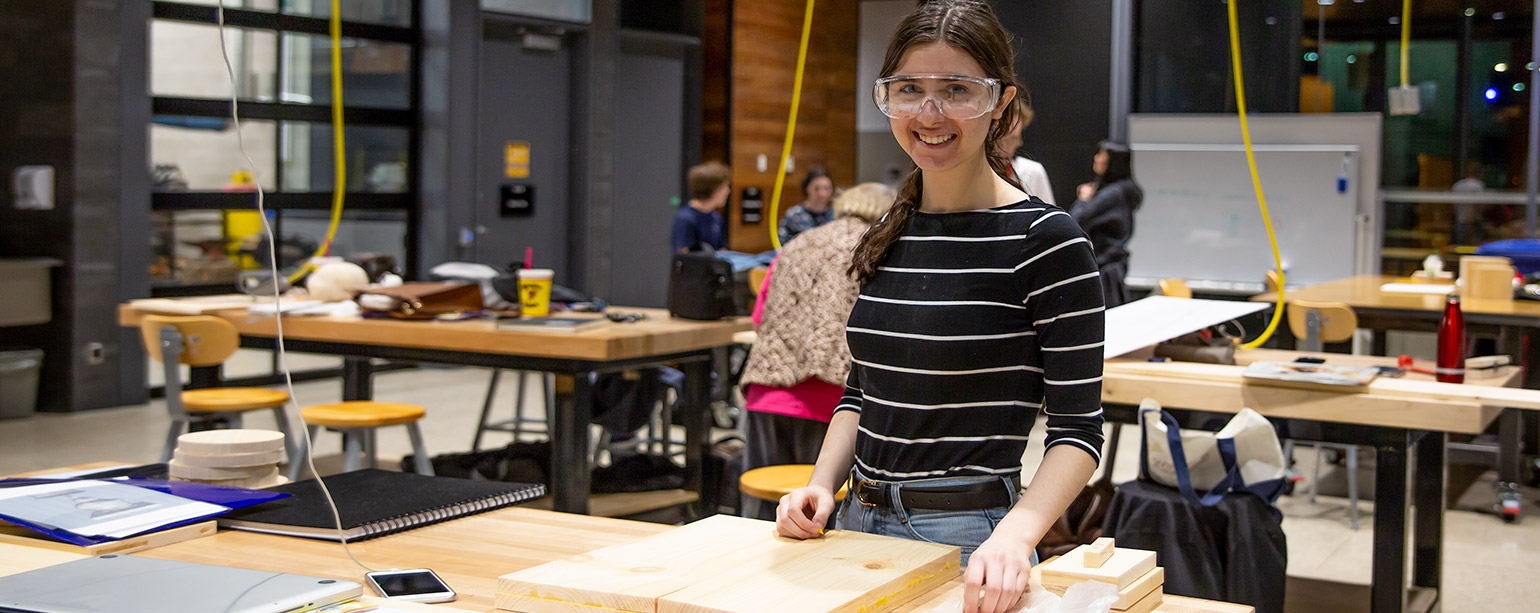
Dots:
{"x": 757, "y": 278}
{"x": 1315, "y": 323}
{"x": 357, "y": 420}
{"x": 770, "y": 483}
{"x": 1175, "y": 288}
{"x": 1271, "y": 281}
{"x": 201, "y": 341}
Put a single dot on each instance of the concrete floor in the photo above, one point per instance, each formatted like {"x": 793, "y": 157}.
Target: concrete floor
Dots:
{"x": 1489, "y": 565}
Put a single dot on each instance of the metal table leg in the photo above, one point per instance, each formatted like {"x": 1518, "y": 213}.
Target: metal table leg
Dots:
{"x": 570, "y": 475}
{"x": 1388, "y": 593}
{"x": 1430, "y": 495}
{"x": 697, "y": 421}
{"x": 357, "y": 379}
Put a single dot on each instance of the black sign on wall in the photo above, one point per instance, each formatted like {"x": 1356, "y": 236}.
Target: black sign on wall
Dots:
{"x": 518, "y": 200}
{"x": 753, "y": 205}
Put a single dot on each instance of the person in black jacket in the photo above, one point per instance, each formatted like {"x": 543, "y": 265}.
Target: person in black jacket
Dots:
{"x": 1105, "y": 211}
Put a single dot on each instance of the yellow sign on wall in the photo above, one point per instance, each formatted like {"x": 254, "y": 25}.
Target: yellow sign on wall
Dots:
{"x": 516, "y": 159}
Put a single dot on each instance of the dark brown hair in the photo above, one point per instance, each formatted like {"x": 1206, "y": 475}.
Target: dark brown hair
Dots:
{"x": 706, "y": 178}
{"x": 971, "y": 27}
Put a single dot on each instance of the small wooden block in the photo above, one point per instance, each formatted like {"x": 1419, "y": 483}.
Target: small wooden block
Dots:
{"x": 230, "y": 460}
{"x": 1140, "y": 588}
{"x": 208, "y": 473}
{"x": 1124, "y": 568}
{"x": 1097, "y": 553}
{"x": 224, "y": 442}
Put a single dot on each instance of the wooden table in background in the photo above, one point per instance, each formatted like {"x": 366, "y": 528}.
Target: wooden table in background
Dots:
{"x": 1392, "y": 416}
{"x": 1516, "y": 324}
{"x": 658, "y": 339}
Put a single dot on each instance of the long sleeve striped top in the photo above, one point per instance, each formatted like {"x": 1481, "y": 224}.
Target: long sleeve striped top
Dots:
{"x": 976, "y": 321}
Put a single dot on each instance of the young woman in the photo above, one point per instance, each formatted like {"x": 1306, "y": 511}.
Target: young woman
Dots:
{"x": 818, "y": 189}
{"x": 979, "y": 308}
{"x": 1105, "y": 210}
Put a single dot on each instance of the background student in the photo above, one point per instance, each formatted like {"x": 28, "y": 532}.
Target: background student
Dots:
{"x": 797, "y": 370}
{"x": 1105, "y": 210}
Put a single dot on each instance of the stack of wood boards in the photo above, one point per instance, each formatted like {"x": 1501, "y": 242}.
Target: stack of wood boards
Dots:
{"x": 236, "y": 458}
{"x": 1132, "y": 571}
{"x": 726, "y": 564}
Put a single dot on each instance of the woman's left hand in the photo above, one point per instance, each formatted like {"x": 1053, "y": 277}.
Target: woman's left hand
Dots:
{"x": 1001, "y": 568}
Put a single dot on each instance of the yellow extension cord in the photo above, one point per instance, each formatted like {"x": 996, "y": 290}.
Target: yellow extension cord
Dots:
{"x": 1406, "y": 39}
{"x": 339, "y": 156}
{"x": 791, "y": 129}
{"x": 1256, "y": 179}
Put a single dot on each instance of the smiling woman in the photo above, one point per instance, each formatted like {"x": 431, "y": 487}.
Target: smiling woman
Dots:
{"x": 978, "y": 307}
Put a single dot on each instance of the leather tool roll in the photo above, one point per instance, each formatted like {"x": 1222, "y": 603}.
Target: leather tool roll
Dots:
{"x": 423, "y": 300}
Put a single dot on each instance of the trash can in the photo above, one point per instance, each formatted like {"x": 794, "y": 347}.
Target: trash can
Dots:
{"x": 18, "y": 381}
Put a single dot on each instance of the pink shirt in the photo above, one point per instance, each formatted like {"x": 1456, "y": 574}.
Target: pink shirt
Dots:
{"x": 811, "y": 399}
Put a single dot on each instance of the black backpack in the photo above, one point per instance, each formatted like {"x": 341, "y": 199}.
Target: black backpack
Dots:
{"x": 700, "y": 286}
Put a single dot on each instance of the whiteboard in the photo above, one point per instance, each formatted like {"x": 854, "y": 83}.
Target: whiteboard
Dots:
{"x": 1200, "y": 221}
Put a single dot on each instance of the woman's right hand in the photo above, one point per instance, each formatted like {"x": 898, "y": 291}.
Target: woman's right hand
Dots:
{"x": 804, "y": 512}
{"x": 1086, "y": 191}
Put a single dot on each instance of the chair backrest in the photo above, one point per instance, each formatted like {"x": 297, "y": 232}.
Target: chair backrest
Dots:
{"x": 1271, "y": 280}
{"x": 1175, "y": 288}
{"x": 1337, "y": 319}
{"x": 757, "y": 278}
{"x": 206, "y": 340}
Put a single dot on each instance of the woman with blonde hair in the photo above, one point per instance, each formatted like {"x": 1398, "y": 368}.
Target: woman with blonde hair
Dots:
{"x": 796, "y": 372}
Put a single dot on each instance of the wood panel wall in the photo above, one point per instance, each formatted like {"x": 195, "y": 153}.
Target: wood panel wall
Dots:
{"x": 764, "y": 41}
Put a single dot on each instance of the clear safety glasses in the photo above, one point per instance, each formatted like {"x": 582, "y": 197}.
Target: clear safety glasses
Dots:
{"x": 954, "y": 96}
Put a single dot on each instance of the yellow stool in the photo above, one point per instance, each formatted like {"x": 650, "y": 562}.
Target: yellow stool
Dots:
{"x": 357, "y": 421}
{"x": 770, "y": 483}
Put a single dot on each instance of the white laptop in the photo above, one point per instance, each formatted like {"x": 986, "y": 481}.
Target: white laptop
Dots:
{"x": 131, "y": 584}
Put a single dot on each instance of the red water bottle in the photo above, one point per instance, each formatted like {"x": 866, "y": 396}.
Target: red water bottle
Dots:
{"x": 1451, "y": 343}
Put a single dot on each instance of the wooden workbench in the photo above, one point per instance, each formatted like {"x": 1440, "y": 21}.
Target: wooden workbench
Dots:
{"x": 469, "y": 553}
{"x": 656, "y": 340}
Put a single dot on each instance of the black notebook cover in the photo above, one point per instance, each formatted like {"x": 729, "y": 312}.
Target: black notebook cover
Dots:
{"x": 375, "y": 502}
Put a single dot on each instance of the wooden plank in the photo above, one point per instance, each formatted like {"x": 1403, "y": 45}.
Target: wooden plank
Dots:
{"x": 1200, "y": 394}
{"x": 1431, "y": 391}
{"x": 1127, "y": 596}
{"x": 730, "y": 564}
{"x": 1363, "y": 292}
{"x": 17, "y": 535}
{"x": 631, "y": 577}
{"x": 1124, "y": 568}
{"x": 1147, "y": 604}
{"x": 844, "y": 572}
{"x": 658, "y": 334}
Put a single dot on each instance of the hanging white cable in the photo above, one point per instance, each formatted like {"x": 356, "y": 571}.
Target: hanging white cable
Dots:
{"x": 291, "y": 416}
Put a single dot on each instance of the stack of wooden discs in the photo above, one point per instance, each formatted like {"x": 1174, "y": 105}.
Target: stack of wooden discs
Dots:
{"x": 236, "y": 458}
{"x": 1132, "y": 571}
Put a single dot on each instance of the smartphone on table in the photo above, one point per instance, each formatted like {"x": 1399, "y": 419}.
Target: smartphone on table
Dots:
{"x": 416, "y": 584}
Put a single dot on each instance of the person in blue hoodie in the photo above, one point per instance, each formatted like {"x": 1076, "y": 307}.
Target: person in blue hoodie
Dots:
{"x": 1105, "y": 208}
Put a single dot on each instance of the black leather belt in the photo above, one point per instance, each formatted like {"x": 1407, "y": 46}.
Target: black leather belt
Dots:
{"x": 967, "y": 497}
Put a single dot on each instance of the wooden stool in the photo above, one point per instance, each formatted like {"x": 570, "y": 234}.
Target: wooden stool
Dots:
{"x": 770, "y": 483}
{"x": 357, "y": 421}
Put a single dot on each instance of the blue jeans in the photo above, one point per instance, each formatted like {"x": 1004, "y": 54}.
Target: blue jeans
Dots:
{"x": 964, "y": 529}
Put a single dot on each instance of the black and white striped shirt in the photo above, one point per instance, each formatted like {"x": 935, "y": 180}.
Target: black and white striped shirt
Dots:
{"x": 976, "y": 321}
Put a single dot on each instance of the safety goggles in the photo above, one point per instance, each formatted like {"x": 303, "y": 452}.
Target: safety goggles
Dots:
{"x": 954, "y": 96}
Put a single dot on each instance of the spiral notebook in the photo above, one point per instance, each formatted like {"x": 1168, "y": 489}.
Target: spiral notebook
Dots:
{"x": 375, "y": 502}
